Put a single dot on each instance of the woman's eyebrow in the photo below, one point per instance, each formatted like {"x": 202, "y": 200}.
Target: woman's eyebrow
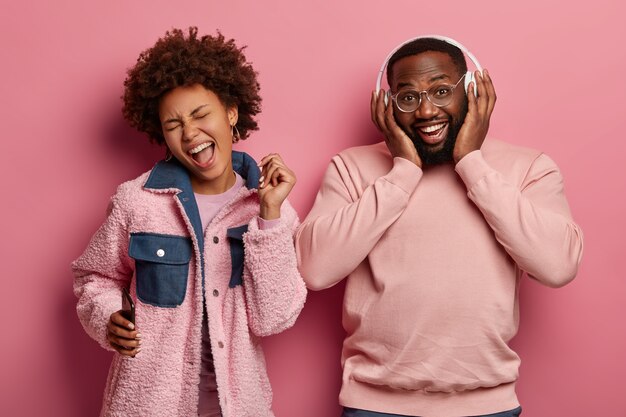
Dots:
{"x": 197, "y": 109}
{"x": 193, "y": 113}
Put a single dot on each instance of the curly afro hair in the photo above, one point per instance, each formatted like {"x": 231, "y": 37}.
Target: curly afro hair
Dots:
{"x": 180, "y": 59}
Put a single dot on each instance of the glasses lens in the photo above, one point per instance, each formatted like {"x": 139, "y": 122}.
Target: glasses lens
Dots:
{"x": 408, "y": 100}
{"x": 441, "y": 95}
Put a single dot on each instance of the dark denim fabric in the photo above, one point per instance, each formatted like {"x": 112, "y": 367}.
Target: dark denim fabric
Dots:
{"x": 173, "y": 175}
{"x": 235, "y": 240}
{"x": 162, "y": 267}
{"x": 352, "y": 412}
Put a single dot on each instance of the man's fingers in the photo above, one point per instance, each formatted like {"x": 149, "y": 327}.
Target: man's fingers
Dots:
{"x": 390, "y": 121}
{"x": 471, "y": 98}
{"x": 380, "y": 112}
{"x": 482, "y": 100}
{"x": 491, "y": 91}
{"x": 373, "y": 103}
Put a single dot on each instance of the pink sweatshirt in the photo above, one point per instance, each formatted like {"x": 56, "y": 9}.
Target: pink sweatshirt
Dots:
{"x": 434, "y": 259}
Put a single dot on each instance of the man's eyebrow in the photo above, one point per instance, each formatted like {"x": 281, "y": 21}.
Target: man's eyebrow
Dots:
{"x": 401, "y": 85}
{"x": 430, "y": 80}
{"x": 439, "y": 77}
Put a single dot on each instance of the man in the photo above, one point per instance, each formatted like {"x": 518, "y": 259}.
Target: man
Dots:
{"x": 433, "y": 228}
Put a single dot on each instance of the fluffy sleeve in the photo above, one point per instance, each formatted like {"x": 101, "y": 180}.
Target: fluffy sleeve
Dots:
{"x": 100, "y": 273}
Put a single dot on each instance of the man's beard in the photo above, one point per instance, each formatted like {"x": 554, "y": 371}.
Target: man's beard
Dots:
{"x": 444, "y": 154}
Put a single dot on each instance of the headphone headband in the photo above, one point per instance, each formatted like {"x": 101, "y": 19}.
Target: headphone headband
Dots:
{"x": 438, "y": 37}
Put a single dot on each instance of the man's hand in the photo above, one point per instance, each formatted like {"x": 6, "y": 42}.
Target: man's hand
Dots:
{"x": 122, "y": 335}
{"x": 474, "y": 130}
{"x": 399, "y": 144}
{"x": 275, "y": 184}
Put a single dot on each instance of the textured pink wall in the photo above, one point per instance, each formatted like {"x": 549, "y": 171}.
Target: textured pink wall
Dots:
{"x": 558, "y": 67}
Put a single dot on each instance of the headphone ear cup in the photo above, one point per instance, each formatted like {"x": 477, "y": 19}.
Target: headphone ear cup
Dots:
{"x": 469, "y": 77}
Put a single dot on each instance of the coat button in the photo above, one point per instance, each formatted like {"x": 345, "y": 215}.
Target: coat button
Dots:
{"x": 160, "y": 253}
{"x": 216, "y": 239}
{"x": 216, "y": 293}
{"x": 220, "y": 344}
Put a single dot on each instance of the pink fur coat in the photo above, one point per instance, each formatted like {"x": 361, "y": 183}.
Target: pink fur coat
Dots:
{"x": 151, "y": 242}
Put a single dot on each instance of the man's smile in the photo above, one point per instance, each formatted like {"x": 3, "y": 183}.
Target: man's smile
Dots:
{"x": 432, "y": 133}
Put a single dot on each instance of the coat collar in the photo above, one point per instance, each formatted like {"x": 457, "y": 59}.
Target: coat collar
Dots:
{"x": 172, "y": 175}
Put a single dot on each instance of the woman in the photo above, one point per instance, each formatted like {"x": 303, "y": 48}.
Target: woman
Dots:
{"x": 204, "y": 242}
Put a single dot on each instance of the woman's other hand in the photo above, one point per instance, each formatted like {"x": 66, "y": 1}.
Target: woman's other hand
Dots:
{"x": 275, "y": 184}
{"x": 122, "y": 335}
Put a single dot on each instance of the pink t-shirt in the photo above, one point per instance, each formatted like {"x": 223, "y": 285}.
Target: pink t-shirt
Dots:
{"x": 208, "y": 206}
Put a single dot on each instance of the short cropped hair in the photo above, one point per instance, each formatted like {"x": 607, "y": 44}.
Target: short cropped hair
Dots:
{"x": 428, "y": 44}
{"x": 182, "y": 59}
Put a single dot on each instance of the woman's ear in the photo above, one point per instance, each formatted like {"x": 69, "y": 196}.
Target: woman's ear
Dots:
{"x": 233, "y": 115}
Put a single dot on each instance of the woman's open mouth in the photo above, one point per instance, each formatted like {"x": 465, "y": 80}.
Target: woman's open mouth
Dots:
{"x": 203, "y": 154}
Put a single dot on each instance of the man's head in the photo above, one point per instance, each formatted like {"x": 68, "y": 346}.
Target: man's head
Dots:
{"x": 424, "y": 65}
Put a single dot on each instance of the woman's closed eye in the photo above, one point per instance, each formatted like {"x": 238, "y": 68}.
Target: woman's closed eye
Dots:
{"x": 200, "y": 115}
{"x": 169, "y": 127}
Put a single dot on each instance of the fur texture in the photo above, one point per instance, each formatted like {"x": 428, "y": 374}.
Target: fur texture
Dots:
{"x": 162, "y": 380}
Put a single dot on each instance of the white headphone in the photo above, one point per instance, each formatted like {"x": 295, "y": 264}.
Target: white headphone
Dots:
{"x": 469, "y": 75}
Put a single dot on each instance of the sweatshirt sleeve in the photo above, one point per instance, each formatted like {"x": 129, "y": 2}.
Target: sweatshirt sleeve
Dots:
{"x": 344, "y": 225}
{"x": 100, "y": 273}
{"x": 532, "y": 222}
{"x": 274, "y": 290}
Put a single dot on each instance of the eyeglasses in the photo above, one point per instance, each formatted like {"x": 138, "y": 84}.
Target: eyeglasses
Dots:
{"x": 440, "y": 95}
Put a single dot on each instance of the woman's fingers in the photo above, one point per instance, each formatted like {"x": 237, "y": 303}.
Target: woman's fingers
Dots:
{"x": 273, "y": 169}
{"x": 120, "y": 336}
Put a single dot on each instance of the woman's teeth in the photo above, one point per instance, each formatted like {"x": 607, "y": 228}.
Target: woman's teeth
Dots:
{"x": 200, "y": 148}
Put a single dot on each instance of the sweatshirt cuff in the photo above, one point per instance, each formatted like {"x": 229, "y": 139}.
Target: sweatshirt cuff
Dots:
{"x": 267, "y": 224}
{"x": 472, "y": 168}
{"x": 404, "y": 174}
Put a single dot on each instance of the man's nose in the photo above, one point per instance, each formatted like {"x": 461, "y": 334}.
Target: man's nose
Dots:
{"x": 426, "y": 109}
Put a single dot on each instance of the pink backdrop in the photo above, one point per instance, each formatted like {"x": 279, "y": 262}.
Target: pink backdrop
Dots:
{"x": 558, "y": 67}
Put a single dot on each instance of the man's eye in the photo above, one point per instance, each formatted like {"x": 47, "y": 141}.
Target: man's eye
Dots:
{"x": 408, "y": 98}
{"x": 442, "y": 91}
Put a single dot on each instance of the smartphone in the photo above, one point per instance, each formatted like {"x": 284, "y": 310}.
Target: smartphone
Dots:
{"x": 128, "y": 306}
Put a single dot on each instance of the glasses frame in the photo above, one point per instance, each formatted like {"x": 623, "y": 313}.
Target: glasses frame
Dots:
{"x": 394, "y": 97}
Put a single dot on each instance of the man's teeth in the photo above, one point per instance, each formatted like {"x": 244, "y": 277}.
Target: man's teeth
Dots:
{"x": 200, "y": 147}
{"x": 429, "y": 129}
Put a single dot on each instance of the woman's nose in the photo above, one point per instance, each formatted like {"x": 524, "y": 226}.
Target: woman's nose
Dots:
{"x": 189, "y": 131}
